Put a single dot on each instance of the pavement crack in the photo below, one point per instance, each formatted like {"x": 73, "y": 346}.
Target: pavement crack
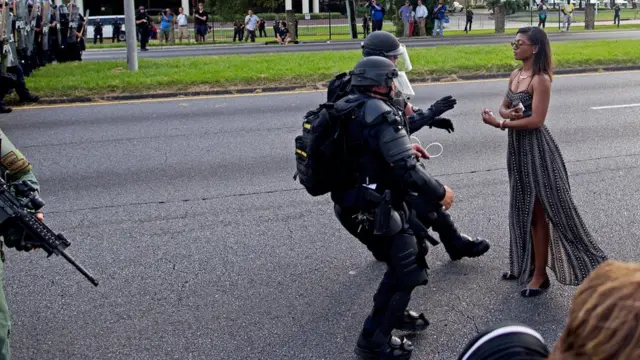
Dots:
{"x": 161, "y": 202}
{"x": 174, "y": 266}
{"x": 463, "y": 313}
{"x": 230, "y": 196}
{"x": 566, "y": 162}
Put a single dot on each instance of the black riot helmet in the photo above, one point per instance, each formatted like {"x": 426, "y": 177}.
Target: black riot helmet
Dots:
{"x": 373, "y": 71}
{"x": 382, "y": 43}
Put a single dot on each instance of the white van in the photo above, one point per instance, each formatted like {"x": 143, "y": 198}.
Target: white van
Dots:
{"x": 107, "y": 27}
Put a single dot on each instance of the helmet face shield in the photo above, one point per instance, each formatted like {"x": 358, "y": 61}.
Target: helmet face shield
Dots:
{"x": 401, "y": 59}
{"x": 403, "y": 86}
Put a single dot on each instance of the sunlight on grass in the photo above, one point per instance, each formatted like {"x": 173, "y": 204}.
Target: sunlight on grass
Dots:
{"x": 232, "y": 71}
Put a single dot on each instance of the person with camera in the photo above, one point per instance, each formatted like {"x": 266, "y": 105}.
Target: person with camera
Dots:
{"x": 166, "y": 26}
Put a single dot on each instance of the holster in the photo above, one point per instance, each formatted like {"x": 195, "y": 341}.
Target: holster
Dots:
{"x": 386, "y": 220}
{"x": 417, "y": 212}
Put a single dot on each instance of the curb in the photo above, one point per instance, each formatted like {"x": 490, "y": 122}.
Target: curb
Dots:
{"x": 276, "y": 89}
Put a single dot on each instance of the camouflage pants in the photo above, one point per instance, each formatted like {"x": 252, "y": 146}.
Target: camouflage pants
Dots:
{"x": 5, "y": 318}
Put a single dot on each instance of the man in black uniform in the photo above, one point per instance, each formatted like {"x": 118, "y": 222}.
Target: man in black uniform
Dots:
{"x": 457, "y": 245}
{"x": 383, "y": 170}
{"x": 117, "y": 29}
{"x": 143, "y": 25}
{"x": 97, "y": 31}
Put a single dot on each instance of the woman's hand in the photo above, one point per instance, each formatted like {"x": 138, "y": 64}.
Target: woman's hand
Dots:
{"x": 489, "y": 119}
{"x": 514, "y": 113}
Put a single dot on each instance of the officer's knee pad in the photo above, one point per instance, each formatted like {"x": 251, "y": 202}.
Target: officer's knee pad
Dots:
{"x": 408, "y": 270}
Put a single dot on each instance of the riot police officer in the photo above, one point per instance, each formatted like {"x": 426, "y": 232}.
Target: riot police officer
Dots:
{"x": 384, "y": 44}
{"x": 383, "y": 169}
{"x": 13, "y": 79}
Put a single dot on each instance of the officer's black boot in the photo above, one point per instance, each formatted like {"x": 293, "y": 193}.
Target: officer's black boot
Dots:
{"x": 413, "y": 322}
{"x": 394, "y": 348}
{"x": 381, "y": 344}
{"x": 467, "y": 247}
{"x": 458, "y": 245}
{"x": 29, "y": 98}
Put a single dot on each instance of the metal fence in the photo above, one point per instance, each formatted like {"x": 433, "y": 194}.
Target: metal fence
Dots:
{"x": 338, "y": 28}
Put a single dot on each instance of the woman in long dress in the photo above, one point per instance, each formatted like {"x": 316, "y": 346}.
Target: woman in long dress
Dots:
{"x": 546, "y": 229}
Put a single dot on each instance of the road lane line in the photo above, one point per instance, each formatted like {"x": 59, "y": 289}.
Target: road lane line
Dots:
{"x": 226, "y": 96}
{"x": 614, "y": 106}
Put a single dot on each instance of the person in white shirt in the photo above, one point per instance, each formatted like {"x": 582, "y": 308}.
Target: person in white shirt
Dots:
{"x": 421, "y": 18}
{"x": 250, "y": 23}
{"x": 183, "y": 31}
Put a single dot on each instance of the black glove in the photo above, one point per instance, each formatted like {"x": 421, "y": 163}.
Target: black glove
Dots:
{"x": 14, "y": 237}
{"x": 442, "y": 123}
{"x": 443, "y": 105}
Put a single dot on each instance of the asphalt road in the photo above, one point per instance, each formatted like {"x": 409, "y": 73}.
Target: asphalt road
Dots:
{"x": 205, "y": 248}
{"x": 157, "y": 53}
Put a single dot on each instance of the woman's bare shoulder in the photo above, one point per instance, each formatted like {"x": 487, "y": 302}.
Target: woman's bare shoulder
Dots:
{"x": 542, "y": 80}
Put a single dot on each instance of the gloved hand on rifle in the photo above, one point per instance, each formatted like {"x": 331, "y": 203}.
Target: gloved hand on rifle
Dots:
{"x": 14, "y": 235}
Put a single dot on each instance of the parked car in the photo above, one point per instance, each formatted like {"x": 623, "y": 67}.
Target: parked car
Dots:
{"x": 456, "y": 7}
{"x": 107, "y": 27}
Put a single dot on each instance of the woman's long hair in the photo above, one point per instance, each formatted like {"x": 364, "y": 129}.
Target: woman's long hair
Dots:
{"x": 604, "y": 321}
{"x": 542, "y": 57}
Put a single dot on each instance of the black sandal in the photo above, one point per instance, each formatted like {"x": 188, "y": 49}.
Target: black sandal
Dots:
{"x": 413, "y": 322}
{"x": 507, "y": 275}
{"x": 533, "y": 292}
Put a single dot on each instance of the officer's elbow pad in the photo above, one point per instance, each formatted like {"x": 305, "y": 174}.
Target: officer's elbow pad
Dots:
{"x": 397, "y": 150}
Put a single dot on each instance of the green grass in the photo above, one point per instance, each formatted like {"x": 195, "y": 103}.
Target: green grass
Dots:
{"x": 303, "y": 69}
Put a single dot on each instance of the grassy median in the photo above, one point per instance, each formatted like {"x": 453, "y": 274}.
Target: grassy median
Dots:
{"x": 301, "y": 69}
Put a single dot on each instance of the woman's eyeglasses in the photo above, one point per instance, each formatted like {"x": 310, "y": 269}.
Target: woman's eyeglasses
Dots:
{"x": 517, "y": 45}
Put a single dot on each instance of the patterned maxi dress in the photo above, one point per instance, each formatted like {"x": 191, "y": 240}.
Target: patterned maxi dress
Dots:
{"x": 536, "y": 169}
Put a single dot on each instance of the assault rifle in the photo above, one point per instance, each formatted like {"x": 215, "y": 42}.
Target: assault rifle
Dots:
{"x": 36, "y": 234}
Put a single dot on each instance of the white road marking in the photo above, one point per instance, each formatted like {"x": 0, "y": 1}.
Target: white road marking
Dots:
{"x": 614, "y": 106}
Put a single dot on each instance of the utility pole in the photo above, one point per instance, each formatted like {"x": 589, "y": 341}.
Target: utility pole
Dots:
{"x": 130, "y": 31}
